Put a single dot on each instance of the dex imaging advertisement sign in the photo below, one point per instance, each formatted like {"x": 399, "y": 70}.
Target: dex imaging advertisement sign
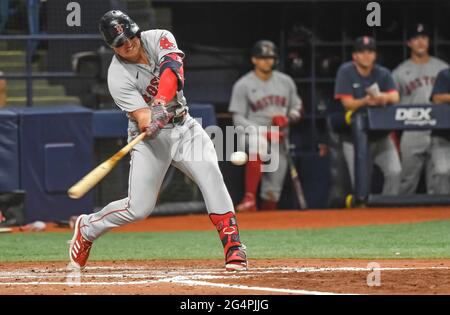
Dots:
{"x": 418, "y": 116}
{"x": 409, "y": 117}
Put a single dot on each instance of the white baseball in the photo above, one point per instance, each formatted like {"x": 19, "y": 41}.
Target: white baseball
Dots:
{"x": 238, "y": 158}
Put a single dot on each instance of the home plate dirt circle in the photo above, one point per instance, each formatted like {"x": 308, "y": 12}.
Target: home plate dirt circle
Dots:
{"x": 291, "y": 276}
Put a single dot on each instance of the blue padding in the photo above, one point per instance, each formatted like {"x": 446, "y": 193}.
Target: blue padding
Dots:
{"x": 42, "y": 128}
{"x": 9, "y": 151}
{"x": 113, "y": 123}
{"x": 315, "y": 177}
{"x": 205, "y": 112}
{"x": 60, "y": 159}
{"x": 45, "y": 110}
{"x": 109, "y": 123}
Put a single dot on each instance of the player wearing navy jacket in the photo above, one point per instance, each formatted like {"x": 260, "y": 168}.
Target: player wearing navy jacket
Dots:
{"x": 360, "y": 83}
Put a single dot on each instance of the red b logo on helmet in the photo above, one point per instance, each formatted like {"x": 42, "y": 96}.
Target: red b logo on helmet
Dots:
{"x": 119, "y": 28}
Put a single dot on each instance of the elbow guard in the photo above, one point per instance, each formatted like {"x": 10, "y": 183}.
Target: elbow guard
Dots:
{"x": 175, "y": 63}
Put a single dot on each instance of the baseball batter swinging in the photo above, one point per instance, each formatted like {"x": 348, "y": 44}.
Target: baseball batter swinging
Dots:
{"x": 146, "y": 80}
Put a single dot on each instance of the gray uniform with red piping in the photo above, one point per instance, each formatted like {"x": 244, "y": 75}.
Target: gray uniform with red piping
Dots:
{"x": 185, "y": 145}
{"x": 419, "y": 148}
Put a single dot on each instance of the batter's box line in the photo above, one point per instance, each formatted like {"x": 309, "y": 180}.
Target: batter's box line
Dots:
{"x": 134, "y": 276}
{"x": 176, "y": 281}
{"x": 251, "y": 288}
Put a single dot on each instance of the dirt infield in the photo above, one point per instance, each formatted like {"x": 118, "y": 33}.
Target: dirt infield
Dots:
{"x": 277, "y": 276}
{"x": 293, "y": 276}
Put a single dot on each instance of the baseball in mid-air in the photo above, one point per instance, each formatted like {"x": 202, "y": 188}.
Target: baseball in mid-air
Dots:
{"x": 239, "y": 158}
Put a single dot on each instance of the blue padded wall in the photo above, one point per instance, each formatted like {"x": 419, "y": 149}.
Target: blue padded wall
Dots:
{"x": 9, "y": 151}
{"x": 109, "y": 123}
{"x": 205, "y": 111}
{"x": 56, "y": 147}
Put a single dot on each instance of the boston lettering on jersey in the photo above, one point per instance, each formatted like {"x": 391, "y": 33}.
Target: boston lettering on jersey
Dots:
{"x": 269, "y": 100}
{"x": 152, "y": 90}
{"x": 413, "y": 85}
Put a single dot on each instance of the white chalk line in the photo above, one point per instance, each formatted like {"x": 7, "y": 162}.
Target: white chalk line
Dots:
{"x": 253, "y": 288}
{"x": 135, "y": 276}
{"x": 177, "y": 280}
{"x": 71, "y": 283}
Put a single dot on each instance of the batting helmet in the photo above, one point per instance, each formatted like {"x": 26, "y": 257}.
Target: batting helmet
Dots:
{"x": 116, "y": 27}
{"x": 264, "y": 49}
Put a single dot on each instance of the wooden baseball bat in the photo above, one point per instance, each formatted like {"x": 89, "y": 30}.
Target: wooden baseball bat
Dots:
{"x": 93, "y": 177}
{"x": 295, "y": 179}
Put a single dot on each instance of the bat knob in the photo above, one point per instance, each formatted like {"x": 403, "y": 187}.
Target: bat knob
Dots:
{"x": 74, "y": 194}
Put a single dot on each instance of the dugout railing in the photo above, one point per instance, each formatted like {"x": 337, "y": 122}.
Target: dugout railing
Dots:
{"x": 392, "y": 118}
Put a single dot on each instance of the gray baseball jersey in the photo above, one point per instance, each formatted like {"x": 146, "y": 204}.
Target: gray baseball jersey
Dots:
{"x": 259, "y": 101}
{"x": 419, "y": 149}
{"x": 415, "y": 81}
{"x": 133, "y": 86}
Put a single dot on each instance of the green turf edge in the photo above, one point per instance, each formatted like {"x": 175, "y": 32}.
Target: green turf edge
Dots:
{"x": 414, "y": 240}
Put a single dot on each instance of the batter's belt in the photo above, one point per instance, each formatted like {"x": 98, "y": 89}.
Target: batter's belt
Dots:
{"x": 177, "y": 119}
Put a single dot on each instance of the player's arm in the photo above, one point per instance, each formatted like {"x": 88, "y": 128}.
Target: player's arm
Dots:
{"x": 441, "y": 98}
{"x": 396, "y": 76}
{"x": 389, "y": 94}
{"x": 441, "y": 88}
{"x": 343, "y": 91}
{"x": 239, "y": 105}
{"x": 127, "y": 98}
{"x": 386, "y": 98}
{"x": 171, "y": 72}
{"x": 151, "y": 121}
{"x": 240, "y": 120}
{"x": 142, "y": 116}
{"x": 171, "y": 79}
{"x": 350, "y": 103}
{"x": 295, "y": 110}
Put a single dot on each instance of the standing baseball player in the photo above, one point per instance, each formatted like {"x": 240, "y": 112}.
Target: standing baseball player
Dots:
{"x": 264, "y": 97}
{"x": 415, "y": 78}
{"x": 353, "y": 80}
{"x": 145, "y": 79}
{"x": 440, "y": 138}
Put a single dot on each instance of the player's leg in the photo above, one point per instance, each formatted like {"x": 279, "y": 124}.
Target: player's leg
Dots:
{"x": 253, "y": 173}
{"x": 413, "y": 147}
{"x": 429, "y": 175}
{"x": 272, "y": 182}
{"x": 149, "y": 163}
{"x": 206, "y": 173}
{"x": 349, "y": 154}
{"x": 146, "y": 174}
{"x": 440, "y": 157}
{"x": 386, "y": 157}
